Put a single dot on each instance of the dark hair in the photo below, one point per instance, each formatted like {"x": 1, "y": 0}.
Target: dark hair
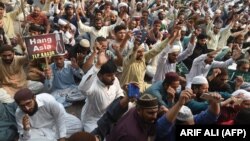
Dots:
{"x": 98, "y": 11}
{"x": 6, "y": 48}
{"x": 157, "y": 22}
{"x": 120, "y": 27}
{"x": 100, "y": 39}
{"x": 241, "y": 62}
{"x": 108, "y": 67}
{"x": 2, "y": 5}
{"x": 35, "y": 27}
{"x": 202, "y": 36}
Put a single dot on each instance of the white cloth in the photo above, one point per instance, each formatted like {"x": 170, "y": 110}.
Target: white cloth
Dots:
{"x": 199, "y": 80}
{"x": 50, "y": 115}
{"x": 199, "y": 67}
{"x": 164, "y": 66}
{"x": 246, "y": 94}
{"x": 5, "y": 97}
{"x": 217, "y": 40}
{"x": 99, "y": 97}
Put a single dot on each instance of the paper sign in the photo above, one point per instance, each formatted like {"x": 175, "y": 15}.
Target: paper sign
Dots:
{"x": 44, "y": 45}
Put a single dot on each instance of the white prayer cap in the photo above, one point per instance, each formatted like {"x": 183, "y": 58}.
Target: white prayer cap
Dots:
{"x": 246, "y": 94}
{"x": 218, "y": 11}
{"x": 114, "y": 12}
{"x": 199, "y": 80}
{"x": 84, "y": 43}
{"x": 184, "y": 114}
{"x": 62, "y": 22}
{"x": 175, "y": 48}
{"x": 183, "y": 28}
{"x": 139, "y": 3}
{"x": 121, "y": 5}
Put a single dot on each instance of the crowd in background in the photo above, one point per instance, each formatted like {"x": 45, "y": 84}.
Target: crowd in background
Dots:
{"x": 189, "y": 59}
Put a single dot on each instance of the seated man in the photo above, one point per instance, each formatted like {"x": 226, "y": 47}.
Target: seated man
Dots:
{"x": 165, "y": 91}
{"x": 12, "y": 75}
{"x": 41, "y": 117}
{"x": 37, "y": 17}
{"x": 101, "y": 88}
{"x": 60, "y": 80}
{"x": 8, "y": 126}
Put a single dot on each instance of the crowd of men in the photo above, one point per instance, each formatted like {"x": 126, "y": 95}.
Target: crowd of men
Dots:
{"x": 178, "y": 53}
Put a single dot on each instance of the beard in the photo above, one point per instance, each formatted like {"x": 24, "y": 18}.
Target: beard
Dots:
{"x": 34, "y": 110}
{"x": 8, "y": 61}
{"x": 98, "y": 27}
{"x": 112, "y": 21}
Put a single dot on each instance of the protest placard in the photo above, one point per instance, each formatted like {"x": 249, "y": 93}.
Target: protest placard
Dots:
{"x": 43, "y": 46}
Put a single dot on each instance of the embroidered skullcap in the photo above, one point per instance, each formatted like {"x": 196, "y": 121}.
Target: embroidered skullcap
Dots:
{"x": 246, "y": 94}
{"x": 84, "y": 43}
{"x": 82, "y": 136}
{"x": 175, "y": 48}
{"x": 147, "y": 101}
{"x": 199, "y": 80}
{"x": 23, "y": 94}
{"x": 184, "y": 114}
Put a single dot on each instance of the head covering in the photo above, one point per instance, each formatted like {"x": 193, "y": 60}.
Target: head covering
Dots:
{"x": 84, "y": 43}
{"x": 218, "y": 11}
{"x": 171, "y": 77}
{"x": 82, "y": 136}
{"x": 174, "y": 48}
{"x": 183, "y": 28}
{"x": 114, "y": 12}
{"x": 199, "y": 80}
{"x": 121, "y": 5}
{"x": 184, "y": 114}
{"x": 68, "y": 5}
{"x": 139, "y": 3}
{"x": 147, "y": 101}
{"x": 23, "y": 94}
{"x": 108, "y": 67}
{"x": 246, "y": 94}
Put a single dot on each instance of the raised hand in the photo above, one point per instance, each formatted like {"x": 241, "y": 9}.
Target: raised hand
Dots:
{"x": 74, "y": 63}
{"x": 236, "y": 52}
{"x": 26, "y": 122}
{"x": 216, "y": 72}
{"x": 171, "y": 93}
{"x": 238, "y": 81}
{"x": 48, "y": 72}
{"x": 102, "y": 59}
{"x": 185, "y": 96}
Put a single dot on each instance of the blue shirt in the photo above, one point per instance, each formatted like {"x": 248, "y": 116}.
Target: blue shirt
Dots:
{"x": 159, "y": 91}
{"x": 62, "y": 78}
{"x": 166, "y": 130}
